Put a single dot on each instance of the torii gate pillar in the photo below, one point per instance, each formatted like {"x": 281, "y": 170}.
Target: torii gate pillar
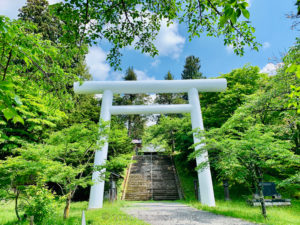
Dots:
{"x": 205, "y": 186}
{"x": 97, "y": 190}
{"x": 108, "y": 88}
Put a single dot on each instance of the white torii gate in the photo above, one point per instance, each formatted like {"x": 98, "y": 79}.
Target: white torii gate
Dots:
{"x": 108, "y": 88}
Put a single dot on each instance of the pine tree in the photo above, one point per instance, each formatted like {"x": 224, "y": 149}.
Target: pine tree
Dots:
{"x": 130, "y": 74}
{"x": 135, "y": 123}
{"x": 165, "y": 98}
{"x": 192, "y": 68}
{"x": 38, "y": 12}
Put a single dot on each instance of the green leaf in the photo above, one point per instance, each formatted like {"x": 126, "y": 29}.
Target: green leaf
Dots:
{"x": 238, "y": 13}
{"x": 223, "y": 20}
{"x": 17, "y": 119}
{"x": 228, "y": 12}
{"x": 8, "y": 113}
{"x": 233, "y": 18}
{"x": 246, "y": 13}
{"x": 292, "y": 68}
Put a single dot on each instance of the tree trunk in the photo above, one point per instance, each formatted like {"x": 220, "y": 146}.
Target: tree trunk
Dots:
{"x": 31, "y": 220}
{"x": 226, "y": 190}
{"x": 262, "y": 199}
{"x": 129, "y": 126}
{"x": 260, "y": 191}
{"x": 67, "y": 207}
{"x": 16, "y": 204}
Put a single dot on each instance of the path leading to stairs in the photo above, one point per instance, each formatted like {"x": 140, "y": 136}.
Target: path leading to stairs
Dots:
{"x": 163, "y": 213}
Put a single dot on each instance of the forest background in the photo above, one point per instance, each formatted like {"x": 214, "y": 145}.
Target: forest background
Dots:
{"x": 49, "y": 135}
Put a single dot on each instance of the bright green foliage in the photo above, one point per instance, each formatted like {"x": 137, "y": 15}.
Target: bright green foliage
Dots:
{"x": 74, "y": 148}
{"x": 86, "y": 108}
{"x": 264, "y": 114}
{"x": 25, "y": 57}
{"x": 138, "y": 22}
{"x": 247, "y": 151}
{"x": 38, "y": 113}
{"x": 117, "y": 164}
{"x": 292, "y": 67}
{"x": 244, "y": 151}
{"x": 219, "y": 107}
{"x": 191, "y": 68}
{"x": 65, "y": 158}
{"x": 24, "y": 53}
{"x": 260, "y": 141}
{"x": 119, "y": 141}
{"x": 176, "y": 133}
{"x": 40, "y": 204}
{"x": 20, "y": 174}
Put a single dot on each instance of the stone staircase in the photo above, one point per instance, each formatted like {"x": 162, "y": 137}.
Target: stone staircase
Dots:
{"x": 151, "y": 177}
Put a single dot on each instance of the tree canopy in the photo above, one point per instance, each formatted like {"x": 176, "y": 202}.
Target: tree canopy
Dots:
{"x": 124, "y": 23}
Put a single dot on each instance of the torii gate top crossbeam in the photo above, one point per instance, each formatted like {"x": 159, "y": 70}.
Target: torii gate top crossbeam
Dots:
{"x": 150, "y": 86}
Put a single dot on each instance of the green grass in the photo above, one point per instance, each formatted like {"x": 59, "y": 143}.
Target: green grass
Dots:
{"x": 277, "y": 215}
{"x": 110, "y": 214}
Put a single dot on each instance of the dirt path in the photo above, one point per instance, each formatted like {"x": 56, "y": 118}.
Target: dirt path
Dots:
{"x": 162, "y": 213}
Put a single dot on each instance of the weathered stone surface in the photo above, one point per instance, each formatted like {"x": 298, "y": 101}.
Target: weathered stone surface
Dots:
{"x": 151, "y": 177}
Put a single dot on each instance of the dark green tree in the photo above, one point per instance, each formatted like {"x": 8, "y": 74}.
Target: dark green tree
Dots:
{"x": 166, "y": 98}
{"x": 191, "y": 68}
{"x": 135, "y": 123}
{"x": 47, "y": 24}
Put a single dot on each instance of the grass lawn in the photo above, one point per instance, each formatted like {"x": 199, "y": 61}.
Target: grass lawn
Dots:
{"x": 283, "y": 215}
{"x": 109, "y": 214}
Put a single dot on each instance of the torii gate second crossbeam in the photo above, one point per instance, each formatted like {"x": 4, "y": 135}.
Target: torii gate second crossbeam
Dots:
{"x": 192, "y": 87}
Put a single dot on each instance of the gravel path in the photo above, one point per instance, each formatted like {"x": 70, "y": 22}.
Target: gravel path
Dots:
{"x": 162, "y": 213}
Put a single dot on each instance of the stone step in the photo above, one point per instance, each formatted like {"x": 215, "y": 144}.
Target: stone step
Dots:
{"x": 158, "y": 198}
{"x": 151, "y": 177}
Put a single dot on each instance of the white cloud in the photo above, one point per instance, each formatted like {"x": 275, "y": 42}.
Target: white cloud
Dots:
{"x": 266, "y": 45}
{"x": 229, "y": 49}
{"x": 117, "y": 75}
{"x": 168, "y": 41}
{"x": 142, "y": 75}
{"x": 100, "y": 69}
{"x": 54, "y": 1}
{"x": 271, "y": 68}
{"x": 155, "y": 63}
{"x": 96, "y": 61}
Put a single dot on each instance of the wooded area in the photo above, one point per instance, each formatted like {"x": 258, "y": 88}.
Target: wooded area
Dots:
{"x": 49, "y": 134}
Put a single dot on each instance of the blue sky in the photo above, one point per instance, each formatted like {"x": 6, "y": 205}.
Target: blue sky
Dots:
{"x": 267, "y": 16}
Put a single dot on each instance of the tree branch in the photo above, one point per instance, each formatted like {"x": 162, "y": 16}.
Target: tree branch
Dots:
{"x": 127, "y": 17}
{"x": 7, "y": 64}
{"x": 230, "y": 22}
